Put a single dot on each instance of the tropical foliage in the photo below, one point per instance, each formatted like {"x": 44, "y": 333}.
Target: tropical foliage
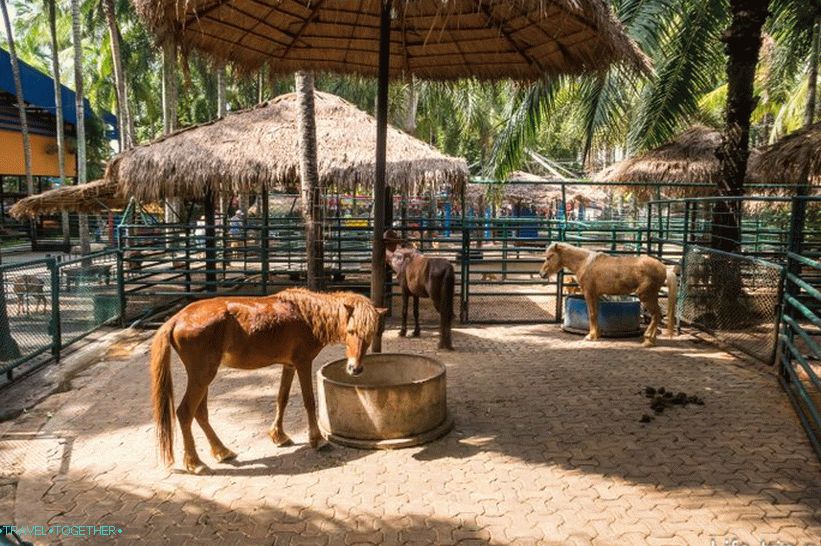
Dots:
{"x": 584, "y": 121}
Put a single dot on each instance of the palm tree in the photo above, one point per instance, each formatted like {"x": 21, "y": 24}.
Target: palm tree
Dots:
{"x": 21, "y": 103}
{"x": 77, "y": 39}
{"x": 9, "y": 349}
{"x": 124, "y": 117}
{"x": 51, "y": 8}
{"x": 309, "y": 175}
{"x": 742, "y": 43}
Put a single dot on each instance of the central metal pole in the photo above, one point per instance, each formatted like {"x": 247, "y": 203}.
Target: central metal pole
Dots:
{"x": 378, "y": 256}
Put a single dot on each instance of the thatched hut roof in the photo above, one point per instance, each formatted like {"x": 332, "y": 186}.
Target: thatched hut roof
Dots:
{"x": 433, "y": 39}
{"x": 90, "y": 197}
{"x": 541, "y": 195}
{"x": 784, "y": 161}
{"x": 243, "y": 150}
{"x": 688, "y": 159}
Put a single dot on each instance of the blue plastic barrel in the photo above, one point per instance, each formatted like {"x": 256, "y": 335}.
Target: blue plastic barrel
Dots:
{"x": 619, "y": 318}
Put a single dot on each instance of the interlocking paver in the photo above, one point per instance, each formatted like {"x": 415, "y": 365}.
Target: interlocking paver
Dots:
{"x": 547, "y": 449}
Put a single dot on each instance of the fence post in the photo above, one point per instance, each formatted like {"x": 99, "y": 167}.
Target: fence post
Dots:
{"x": 465, "y": 271}
{"x": 56, "y": 327}
{"x": 264, "y": 239}
{"x": 121, "y": 286}
{"x": 649, "y": 229}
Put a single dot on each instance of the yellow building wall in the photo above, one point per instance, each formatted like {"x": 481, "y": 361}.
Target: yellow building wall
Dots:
{"x": 43, "y": 155}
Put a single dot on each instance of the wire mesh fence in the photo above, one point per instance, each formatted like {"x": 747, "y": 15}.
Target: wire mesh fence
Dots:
{"x": 27, "y": 327}
{"x": 735, "y": 298}
{"x": 88, "y": 294}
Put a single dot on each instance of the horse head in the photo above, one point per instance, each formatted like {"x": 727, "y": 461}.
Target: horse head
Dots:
{"x": 364, "y": 322}
{"x": 400, "y": 259}
{"x": 552, "y": 261}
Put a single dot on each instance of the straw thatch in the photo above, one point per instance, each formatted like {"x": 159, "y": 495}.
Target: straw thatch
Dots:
{"x": 240, "y": 152}
{"x": 540, "y": 195}
{"x": 784, "y": 162}
{"x": 91, "y": 197}
{"x": 689, "y": 158}
{"x": 433, "y": 39}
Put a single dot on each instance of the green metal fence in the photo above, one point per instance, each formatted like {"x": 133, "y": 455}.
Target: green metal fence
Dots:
{"x": 48, "y": 304}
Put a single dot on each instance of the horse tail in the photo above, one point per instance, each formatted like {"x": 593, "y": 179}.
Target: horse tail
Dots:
{"x": 162, "y": 390}
{"x": 672, "y": 288}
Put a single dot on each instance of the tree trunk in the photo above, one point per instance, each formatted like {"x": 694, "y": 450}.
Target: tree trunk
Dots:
{"x": 742, "y": 41}
{"x": 85, "y": 239}
{"x": 169, "y": 109}
{"x": 309, "y": 175}
{"x": 126, "y": 134}
{"x": 58, "y": 112}
{"x": 412, "y": 102}
{"x": 9, "y": 350}
{"x": 812, "y": 78}
{"x": 21, "y": 103}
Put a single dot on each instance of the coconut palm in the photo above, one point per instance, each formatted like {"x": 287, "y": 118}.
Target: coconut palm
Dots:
{"x": 123, "y": 115}
{"x": 21, "y": 103}
{"x": 77, "y": 39}
{"x": 51, "y": 9}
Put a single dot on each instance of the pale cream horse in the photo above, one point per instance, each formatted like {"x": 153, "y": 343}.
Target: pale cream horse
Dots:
{"x": 599, "y": 274}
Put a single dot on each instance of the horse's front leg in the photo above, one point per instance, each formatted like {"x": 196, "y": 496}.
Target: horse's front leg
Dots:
{"x": 593, "y": 315}
{"x": 416, "y": 330}
{"x": 405, "y": 295}
{"x": 277, "y": 433}
{"x": 303, "y": 372}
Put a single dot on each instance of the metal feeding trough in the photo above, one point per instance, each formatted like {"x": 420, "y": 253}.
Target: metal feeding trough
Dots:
{"x": 398, "y": 401}
{"x": 618, "y": 316}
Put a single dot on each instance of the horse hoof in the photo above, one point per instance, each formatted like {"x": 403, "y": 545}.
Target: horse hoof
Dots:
{"x": 224, "y": 455}
{"x": 318, "y": 443}
{"x": 416, "y": 333}
{"x": 403, "y": 333}
{"x": 446, "y": 347}
{"x": 198, "y": 468}
{"x": 280, "y": 440}
{"x": 591, "y": 337}
{"x": 648, "y": 343}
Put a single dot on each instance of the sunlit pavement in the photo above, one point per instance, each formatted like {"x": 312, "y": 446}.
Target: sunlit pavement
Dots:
{"x": 547, "y": 449}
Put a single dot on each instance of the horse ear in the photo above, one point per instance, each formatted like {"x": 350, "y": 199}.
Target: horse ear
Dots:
{"x": 349, "y": 308}
{"x": 382, "y": 311}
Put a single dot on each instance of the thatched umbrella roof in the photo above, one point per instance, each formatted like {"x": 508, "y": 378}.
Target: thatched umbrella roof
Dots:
{"x": 90, "y": 197}
{"x": 433, "y": 39}
{"x": 688, "y": 159}
{"x": 784, "y": 161}
{"x": 238, "y": 153}
{"x": 542, "y": 195}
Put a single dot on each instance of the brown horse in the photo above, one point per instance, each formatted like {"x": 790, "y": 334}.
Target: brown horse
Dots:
{"x": 288, "y": 328}
{"x": 421, "y": 276}
{"x": 599, "y": 274}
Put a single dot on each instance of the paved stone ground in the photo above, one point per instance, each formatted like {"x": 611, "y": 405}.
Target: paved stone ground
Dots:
{"x": 547, "y": 449}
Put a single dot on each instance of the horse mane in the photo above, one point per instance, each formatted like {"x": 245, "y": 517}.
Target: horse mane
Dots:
{"x": 326, "y": 313}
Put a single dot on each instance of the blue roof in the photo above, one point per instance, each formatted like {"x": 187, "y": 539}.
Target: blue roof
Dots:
{"x": 38, "y": 91}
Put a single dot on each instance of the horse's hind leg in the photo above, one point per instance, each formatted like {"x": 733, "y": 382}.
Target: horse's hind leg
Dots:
{"x": 194, "y": 393}
{"x": 276, "y": 433}
{"x": 416, "y": 330}
{"x": 650, "y": 300}
{"x": 218, "y": 449}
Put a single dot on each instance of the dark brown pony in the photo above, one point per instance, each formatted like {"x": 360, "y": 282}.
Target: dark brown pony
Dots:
{"x": 420, "y": 276}
{"x": 288, "y": 328}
